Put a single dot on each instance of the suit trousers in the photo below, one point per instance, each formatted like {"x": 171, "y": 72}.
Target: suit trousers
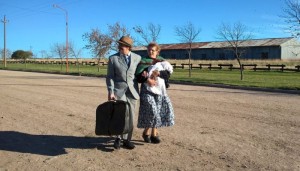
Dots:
{"x": 128, "y": 97}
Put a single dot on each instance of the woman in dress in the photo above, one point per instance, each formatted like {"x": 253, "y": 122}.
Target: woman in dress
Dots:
{"x": 156, "y": 110}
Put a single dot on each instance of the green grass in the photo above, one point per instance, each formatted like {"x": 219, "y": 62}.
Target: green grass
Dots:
{"x": 262, "y": 79}
{"x": 288, "y": 80}
{"x": 55, "y": 68}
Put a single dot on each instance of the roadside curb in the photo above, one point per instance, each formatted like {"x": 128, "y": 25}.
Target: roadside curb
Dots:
{"x": 238, "y": 87}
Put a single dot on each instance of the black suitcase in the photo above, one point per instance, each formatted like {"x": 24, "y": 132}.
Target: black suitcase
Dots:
{"x": 112, "y": 118}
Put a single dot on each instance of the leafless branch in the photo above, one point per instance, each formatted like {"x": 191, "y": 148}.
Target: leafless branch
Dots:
{"x": 76, "y": 53}
{"x": 188, "y": 34}
{"x": 98, "y": 42}
{"x": 291, "y": 15}
{"x": 234, "y": 37}
{"x": 58, "y": 49}
{"x": 116, "y": 31}
{"x": 148, "y": 34}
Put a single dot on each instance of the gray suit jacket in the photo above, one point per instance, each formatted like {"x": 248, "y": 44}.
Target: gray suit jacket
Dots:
{"x": 120, "y": 77}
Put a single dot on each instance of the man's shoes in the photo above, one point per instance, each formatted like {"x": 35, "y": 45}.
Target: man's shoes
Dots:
{"x": 129, "y": 145}
{"x": 155, "y": 139}
{"x": 117, "y": 143}
{"x": 146, "y": 138}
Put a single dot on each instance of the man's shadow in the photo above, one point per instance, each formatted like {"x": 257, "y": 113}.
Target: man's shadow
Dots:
{"x": 50, "y": 145}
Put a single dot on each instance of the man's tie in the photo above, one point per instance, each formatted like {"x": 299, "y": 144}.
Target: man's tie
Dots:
{"x": 127, "y": 60}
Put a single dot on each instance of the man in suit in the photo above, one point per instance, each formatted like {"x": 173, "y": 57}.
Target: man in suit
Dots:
{"x": 122, "y": 85}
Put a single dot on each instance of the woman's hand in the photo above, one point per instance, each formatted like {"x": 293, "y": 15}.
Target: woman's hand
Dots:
{"x": 145, "y": 74}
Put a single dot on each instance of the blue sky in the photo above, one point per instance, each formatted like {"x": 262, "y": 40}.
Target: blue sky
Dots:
{"x": 35, "y": 25}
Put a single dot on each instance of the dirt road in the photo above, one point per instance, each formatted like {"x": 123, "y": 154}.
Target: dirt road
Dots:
{"x": 47, "y": 123}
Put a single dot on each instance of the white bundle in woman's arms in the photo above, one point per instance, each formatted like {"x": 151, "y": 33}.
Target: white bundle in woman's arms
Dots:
{"x": 160, "y": 66}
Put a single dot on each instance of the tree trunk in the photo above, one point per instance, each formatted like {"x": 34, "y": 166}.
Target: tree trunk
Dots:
{"x": 25, "y": 63}
{"x": 78, "y": 65}
{"x": 190, "y": 67}
{"x": 98, "y": 66}
{"x": 61, "y": 64}
{"x": 241, "y": 68}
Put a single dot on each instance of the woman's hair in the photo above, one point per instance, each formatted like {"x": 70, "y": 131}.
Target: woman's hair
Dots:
{"x": 154, "y": 44}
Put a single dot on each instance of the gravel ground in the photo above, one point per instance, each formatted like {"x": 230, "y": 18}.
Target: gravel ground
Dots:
{"x": 47, "y": 123}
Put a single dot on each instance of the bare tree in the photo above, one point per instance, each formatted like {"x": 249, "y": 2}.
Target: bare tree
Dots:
{"x": 76, "y": 53}
{"x": 291, "y": 15}
{"x": 59, "y": 49}
{"x": 148, "y": 34}
{"x": 115, "y": 32}
{"x": 43, "y": 53}
{"x": 188, "y": 34}
{"x": 46, "y": 55}
{"x": 8, "y": 53}
{"x": 234, "y": 36}
{"x": 98, "y": 43}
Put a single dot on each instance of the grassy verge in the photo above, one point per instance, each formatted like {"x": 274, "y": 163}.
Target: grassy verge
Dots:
{"x": 262, "y": 79}
{"x": 53, "y": 68}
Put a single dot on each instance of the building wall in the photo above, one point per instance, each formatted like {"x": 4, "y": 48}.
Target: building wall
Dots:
{"x": 290, "y": 50}
{"x": 287, "y": 50}
{"x": 267, "y": 52}
{"x": 273, "y": 52}
{"x": 141, "y": 52}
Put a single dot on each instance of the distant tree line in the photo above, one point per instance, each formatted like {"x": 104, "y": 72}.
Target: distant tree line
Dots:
{"x": 21, "y": 54}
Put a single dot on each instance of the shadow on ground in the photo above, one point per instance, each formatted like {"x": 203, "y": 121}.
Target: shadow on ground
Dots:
{"x": 50, "y": 145}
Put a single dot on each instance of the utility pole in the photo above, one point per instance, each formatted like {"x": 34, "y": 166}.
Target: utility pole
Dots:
{"x": 4, "y": 51}
{"x": 67, "y": 43}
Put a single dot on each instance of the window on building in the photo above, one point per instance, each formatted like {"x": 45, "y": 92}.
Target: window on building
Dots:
{"x": 264, "y": 55}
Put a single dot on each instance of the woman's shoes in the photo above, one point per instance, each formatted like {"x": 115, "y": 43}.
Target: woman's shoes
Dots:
{"x": 151, "y": 139}
{"x": 155, "y": 139}
{"x": 146, "y": 138}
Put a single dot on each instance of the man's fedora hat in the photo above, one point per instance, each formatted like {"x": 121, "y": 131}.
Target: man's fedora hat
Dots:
{"x": 125, "y": 40}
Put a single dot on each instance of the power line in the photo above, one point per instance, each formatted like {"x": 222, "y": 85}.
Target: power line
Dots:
{"x": 33, "y": 9}
{"x": 28, "y": 11}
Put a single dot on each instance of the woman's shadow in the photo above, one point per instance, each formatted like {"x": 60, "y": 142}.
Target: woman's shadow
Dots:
{"x": 50, "y": 145}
